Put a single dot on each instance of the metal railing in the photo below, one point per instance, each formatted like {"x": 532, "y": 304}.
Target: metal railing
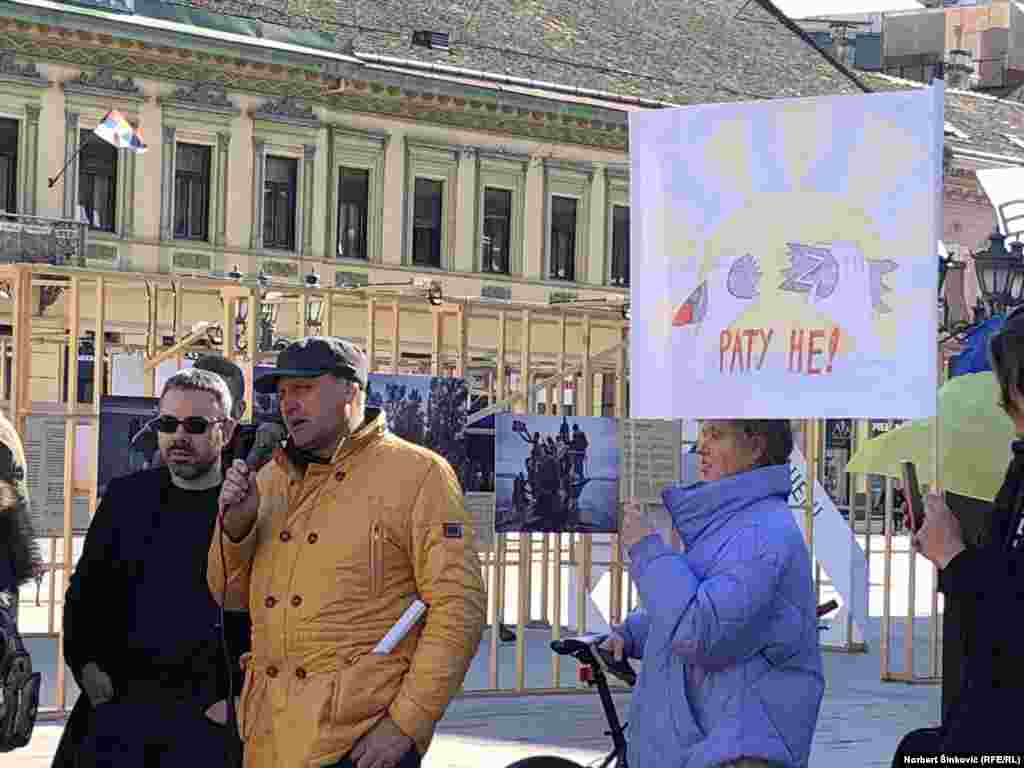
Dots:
{"x": 41, "y": 240}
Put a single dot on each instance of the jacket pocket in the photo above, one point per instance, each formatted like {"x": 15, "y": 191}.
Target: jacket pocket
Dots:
{"x": 366, "y": 685}
{"x": 383, "y": 548}
{"x": 376, "y": 559}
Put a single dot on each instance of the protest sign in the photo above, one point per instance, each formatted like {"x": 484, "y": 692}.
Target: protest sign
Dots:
{"x": 784, "y": 258}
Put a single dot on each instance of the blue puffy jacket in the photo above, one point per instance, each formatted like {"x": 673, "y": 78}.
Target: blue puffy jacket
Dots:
{"x": 727, "y": 631}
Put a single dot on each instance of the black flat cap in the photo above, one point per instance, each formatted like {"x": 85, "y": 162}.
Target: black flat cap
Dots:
{"x": 315, "y": 356}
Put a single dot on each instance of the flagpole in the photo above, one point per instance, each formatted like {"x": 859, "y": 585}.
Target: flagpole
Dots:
{"x": 89, "y": 137}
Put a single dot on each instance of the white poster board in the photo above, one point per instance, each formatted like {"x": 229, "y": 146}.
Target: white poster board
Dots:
{"x": 44, "y": 441}
{"x": 835, "y": 547}
{"x": 128, "y": 375}
{"x": 784, "y": 258}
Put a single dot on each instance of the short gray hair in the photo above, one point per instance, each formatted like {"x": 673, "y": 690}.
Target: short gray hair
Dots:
{"x": 198, "y": 380}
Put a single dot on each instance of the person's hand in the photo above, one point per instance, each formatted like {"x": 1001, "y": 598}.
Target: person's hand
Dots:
{"x": 940, "y": 538}
{"x": 635, "y": 526}
{"x": 383, "y": 747}
{"x": 239, "y": 500}
{"x": 218, "y": 712}
{"x": 849, "y": 305}
{"x": 97, "y": 684}
{"x": 615, "y": 644}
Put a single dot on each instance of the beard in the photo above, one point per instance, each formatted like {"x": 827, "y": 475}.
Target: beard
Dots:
{"x": 190, "y": 468}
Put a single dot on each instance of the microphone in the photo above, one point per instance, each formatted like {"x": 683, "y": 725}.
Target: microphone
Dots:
{"x": 268, "y": 436}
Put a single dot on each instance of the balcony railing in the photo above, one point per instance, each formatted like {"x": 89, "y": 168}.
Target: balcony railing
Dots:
{"x": 40, "y": 240}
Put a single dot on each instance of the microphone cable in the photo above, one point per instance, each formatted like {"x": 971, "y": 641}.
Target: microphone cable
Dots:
{"x": 235, "y": 737}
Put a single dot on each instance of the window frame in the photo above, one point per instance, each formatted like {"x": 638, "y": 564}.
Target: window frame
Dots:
{"x": 22, "y": 93}
{"x": 510, "y": 212}
{"x": 358, "y": 150}
{"x": 612, "y": 277}
{"x": 439, "y": 164}
{"x": 363, "y": 208}
{"x": 506, "y": 172}
{"x": 286, "y": 127}
{"x": 193, "y": 115}
{"x": 13, "y": 179}
{"x": 91, "y": 143}
{"x": 437, "y": 208}
{"x": 85, "y": 106}
{"x": 617, "y": 195}
{"x": 206, "y": 181}
{"x": 293, "y": 189}
{"x": 571, "y": 180}
{"x": 549, "y": 275}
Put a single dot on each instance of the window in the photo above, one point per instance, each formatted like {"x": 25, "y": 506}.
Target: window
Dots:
{"x": 497, "y": 230}
{"x": 279, "y": 188}
{"x": 9, "y": 165}
{"x": 97, "y": 182}
{"x": 563, "y": 238}
{"x": 620, "y": 245}
{"x": 426, "y": 234}
{"x": 192, "y": 192}
{"x": 353, "y": 204}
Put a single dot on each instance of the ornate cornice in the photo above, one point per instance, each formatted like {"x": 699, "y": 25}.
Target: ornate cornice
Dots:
{"x": 164, "y": 63}
{"x": 104, "y": 83}
{"x": 288, "y": 109}
{"x": 10, "y": 69}
{"x": 205, "y": 95}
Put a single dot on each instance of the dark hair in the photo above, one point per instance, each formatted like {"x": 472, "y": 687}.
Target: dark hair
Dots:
{"x": 1006, "y": 354}
{"x": 777, "y": 435}
{"x": 228, "y": 371}
{"x": 198, "y": 380}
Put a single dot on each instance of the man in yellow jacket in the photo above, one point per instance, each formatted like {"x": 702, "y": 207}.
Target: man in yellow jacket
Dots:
{"x": 326, "y": 547}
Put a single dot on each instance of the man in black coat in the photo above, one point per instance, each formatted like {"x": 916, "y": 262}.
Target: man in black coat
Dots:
{"x": 987, "y": 584}
{"x": 142, "y": 632}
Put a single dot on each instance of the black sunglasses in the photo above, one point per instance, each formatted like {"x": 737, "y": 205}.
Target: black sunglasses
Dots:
{"x": 194, "y": 425}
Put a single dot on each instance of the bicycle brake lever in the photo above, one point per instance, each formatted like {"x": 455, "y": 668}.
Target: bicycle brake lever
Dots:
{"x": 622, "y": 670}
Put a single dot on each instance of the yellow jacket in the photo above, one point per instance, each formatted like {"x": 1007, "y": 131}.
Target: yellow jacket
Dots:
{"x": 336, "y": 556}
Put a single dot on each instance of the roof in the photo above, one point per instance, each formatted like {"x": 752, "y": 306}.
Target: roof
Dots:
{"x": 681, "y": 52}
{"x": 976, "y": 123}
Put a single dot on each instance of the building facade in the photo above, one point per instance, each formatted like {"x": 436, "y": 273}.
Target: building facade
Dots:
{"x": 268, "y": 157}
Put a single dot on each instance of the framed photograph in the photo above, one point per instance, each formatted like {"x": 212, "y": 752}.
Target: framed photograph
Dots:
{"x": 125, "y": 444}
{"x": 432, "y": 411}
{"x": 556, "y": 474}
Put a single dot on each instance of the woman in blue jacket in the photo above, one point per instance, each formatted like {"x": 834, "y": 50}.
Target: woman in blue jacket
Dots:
{"x": 727, "y": 631}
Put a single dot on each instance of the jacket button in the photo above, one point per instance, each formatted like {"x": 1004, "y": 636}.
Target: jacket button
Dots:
{"x": 300, "y": 673}
{"x": 296, "y": 601}
{"x": 339, "y": 475}
{"x": 271, "y": 671}
{"x": 270, "y": 602}
{"x": 286, "y": 536}
{"x": 312, "y": 538}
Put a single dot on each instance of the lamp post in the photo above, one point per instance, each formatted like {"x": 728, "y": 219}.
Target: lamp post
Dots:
{"x": 314, "y": 312}
{"x": 1001, "y": 274}
{"x": 268, "y": 321}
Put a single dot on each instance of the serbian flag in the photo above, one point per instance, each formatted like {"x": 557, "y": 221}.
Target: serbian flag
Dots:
{"x": 115, "y": 129}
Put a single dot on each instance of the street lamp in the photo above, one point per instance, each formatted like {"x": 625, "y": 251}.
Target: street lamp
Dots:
{"x": 435, "y": 294}
{"x": 268, "y": 321}
{"x": 314, "y": 311}
{"x": 1001, "y": 274}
